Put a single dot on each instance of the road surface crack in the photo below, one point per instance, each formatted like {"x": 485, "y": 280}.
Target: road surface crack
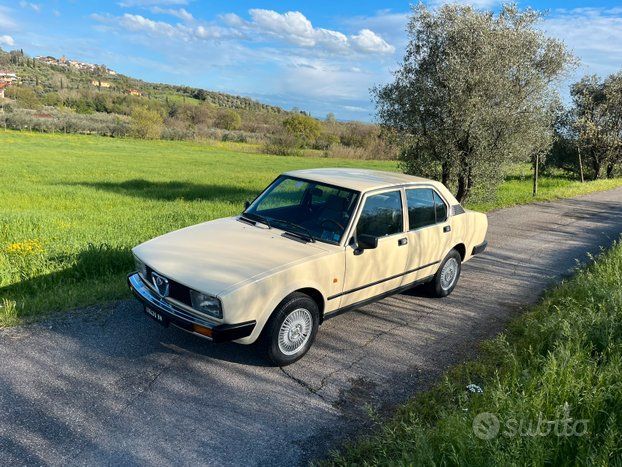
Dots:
{"x": 304, "y": 384}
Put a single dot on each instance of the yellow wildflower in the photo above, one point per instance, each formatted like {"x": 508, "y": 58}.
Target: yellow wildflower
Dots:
{"x": 29, "y": 247}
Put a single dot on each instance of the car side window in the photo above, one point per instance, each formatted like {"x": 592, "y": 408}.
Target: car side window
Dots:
{"x": 381, "y": 215}
{"x": 441, "y": 208}
{"x": 425, "y": 207}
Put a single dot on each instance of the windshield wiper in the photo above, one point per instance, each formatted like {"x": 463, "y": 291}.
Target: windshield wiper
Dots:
{"x": 306, "y": 233}
{"x": 258, "y": 218}
{"x": 246, "y": 220}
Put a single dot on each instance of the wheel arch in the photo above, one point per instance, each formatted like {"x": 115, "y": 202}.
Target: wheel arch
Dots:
{"x": 316, "y": 296}
{"x": 461, "y": 249}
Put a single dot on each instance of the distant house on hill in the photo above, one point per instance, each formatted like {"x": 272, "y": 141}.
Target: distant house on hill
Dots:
{"x": 134, "y": 92}
{"x": 7, "y": 76}
{"x": 3, "y": 86}
{"x": 101, "y": 84}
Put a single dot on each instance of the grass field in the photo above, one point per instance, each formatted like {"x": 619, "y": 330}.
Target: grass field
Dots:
{"x": 553, "y": 382}
{"x": 73, "y": 206}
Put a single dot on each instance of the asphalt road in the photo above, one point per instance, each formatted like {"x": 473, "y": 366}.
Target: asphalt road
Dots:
{"x": 110, "y": 386}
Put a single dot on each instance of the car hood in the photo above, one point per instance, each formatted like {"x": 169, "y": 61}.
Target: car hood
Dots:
{"x": 216, "y": 256}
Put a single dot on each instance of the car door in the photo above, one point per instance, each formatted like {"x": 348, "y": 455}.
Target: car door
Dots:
{"x": 428, "y": 232}
{"x": 372, "y": 272}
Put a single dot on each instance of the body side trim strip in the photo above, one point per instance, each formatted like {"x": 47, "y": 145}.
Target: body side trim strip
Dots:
{"x": 367, "y": 301}
{"x": 356, "y": 289}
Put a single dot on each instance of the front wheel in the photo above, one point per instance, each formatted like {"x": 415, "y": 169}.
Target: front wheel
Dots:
{"x": 447, "y": 276}
{"x": 291, "y": 329}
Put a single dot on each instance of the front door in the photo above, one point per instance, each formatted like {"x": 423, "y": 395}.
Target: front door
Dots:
{"x": 374, "y": 271}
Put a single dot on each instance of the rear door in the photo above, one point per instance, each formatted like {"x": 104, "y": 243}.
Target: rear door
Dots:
{"x": 372, "y": 272}
{"x": 429, "y": 232}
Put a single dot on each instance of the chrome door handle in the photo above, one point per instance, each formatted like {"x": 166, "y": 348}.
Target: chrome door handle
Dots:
{"x": 447, "y": 228}
{"x": 402, "y": 241}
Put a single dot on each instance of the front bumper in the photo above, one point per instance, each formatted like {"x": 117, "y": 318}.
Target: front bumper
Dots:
{"x": 185, "y": 319}
{"x": 477, "y": 249}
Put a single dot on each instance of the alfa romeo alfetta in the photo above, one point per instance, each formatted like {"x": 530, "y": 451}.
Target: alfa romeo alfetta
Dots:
{"x": 313, "y": 244}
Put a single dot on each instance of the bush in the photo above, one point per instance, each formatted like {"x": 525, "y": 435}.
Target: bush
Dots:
{"x": 283, "y": 145}
{"x": 146, "y": 124}
{"x": 325, "y": 141}
{"x": 228, "y": 119}
{"x": 25, "y": 97}
{"x": 302, "y": 128}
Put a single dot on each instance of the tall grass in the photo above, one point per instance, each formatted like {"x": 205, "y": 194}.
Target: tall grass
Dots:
{"x": 559, "y": 363}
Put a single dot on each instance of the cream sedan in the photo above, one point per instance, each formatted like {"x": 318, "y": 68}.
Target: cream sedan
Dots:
{"x": 313, "y": 244}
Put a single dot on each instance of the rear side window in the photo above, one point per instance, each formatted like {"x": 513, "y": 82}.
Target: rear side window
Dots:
{"x": 382, "y": 215}
{"x": 425, "y": 207}
{"x": 441, "y": 208}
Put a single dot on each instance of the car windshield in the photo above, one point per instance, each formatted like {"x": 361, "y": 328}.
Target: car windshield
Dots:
{"x": 305, "y": 208}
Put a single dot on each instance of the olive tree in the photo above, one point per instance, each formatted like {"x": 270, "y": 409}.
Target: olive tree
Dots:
{"x": 472, "y": 94}
{"x": 597, "y": 125}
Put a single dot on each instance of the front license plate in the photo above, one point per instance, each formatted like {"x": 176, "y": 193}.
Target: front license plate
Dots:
{"x": 156, "y": 316}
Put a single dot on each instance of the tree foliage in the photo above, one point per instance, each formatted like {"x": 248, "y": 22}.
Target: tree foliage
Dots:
{"x": 146, "y": 124}
{"x": 302, "y": 127}
{"x": 472, "y": 94}
{"x": 228, "y": 119}
{"x": 597, "y": 123}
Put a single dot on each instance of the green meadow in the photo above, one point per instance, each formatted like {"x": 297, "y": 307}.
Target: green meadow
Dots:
{"x": 72, "y": 207}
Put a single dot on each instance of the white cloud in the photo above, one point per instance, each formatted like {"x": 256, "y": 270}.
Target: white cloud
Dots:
{"x": 294, "y": 28}
{"x": 593, "y": 34}
{"x": 180, "y": 13}
{"x": 368, "y": 41}
{"x": 232, "y": 19}
{"x": 33, "y": 6}
{"x": 140, "y": 23}
{"x": 7, "y": 40}
{"x": 291, "y": 27}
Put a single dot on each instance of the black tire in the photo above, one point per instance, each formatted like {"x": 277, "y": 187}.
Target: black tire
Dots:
{"x": 437, "y": 287}
{"x": 270, "y": 335}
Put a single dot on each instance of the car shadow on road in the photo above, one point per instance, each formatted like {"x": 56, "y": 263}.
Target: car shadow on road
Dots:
{"x": 174, "y": 190}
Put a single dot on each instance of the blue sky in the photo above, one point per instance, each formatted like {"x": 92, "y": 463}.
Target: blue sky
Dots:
{"x": 321, "y": 56}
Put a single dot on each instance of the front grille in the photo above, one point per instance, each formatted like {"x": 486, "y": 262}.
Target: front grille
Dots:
{"x": 176, "y": 291}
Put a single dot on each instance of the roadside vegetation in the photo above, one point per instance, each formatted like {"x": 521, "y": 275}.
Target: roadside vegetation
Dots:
{"x": 73, "y": 206}
{"x": 552, "y": 381}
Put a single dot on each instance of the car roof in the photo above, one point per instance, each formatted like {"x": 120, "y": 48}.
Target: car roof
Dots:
{"x": 358, "y": 179}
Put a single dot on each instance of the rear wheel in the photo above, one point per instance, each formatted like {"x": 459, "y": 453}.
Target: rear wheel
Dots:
{"x": 447, "y": 276}
{"x": 291, "y": 330}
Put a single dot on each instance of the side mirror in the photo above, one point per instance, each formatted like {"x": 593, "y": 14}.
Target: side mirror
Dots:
{"x": 247, "y": 204}
{"x": 363, "y": 242}
{"x": 367, "y": 242}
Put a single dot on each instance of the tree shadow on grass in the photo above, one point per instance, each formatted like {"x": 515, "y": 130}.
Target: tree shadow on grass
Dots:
{"x": 171, "y": 191}
{"x": 96, "y": 262}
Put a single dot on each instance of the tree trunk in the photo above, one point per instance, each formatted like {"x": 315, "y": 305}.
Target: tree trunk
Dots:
{"x": 596, "y": 168}
{"x": 445, "y": 174}
{"x": 465, "y": 183}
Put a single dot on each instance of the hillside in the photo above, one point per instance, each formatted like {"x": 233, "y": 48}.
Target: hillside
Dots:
{"x": 61, "y": 95}
{"x": 49, "y": 74}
